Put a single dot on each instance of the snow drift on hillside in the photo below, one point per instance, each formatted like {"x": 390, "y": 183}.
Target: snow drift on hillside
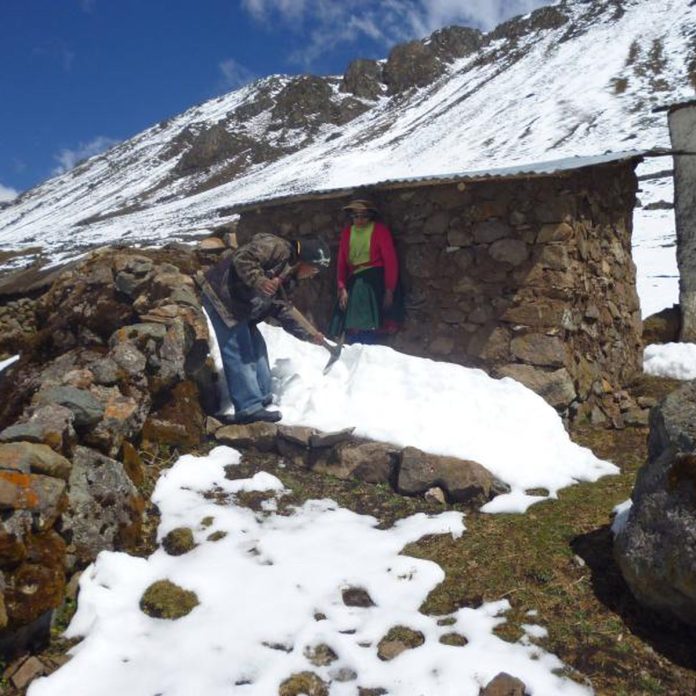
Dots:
{"x": 582, "y": 88}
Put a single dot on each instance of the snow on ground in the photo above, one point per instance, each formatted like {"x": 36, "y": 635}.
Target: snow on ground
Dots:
{"x": 654, "y": 240}
{"x": 675, "y": 360}
{"x": 438, "y": 407}
{"x": 270, "y": 593}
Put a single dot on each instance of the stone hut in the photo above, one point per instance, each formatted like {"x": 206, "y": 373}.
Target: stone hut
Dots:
{"x": 525, "y": 271}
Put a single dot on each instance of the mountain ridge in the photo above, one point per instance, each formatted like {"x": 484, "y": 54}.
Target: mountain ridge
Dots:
{"x": 577, "y": 78}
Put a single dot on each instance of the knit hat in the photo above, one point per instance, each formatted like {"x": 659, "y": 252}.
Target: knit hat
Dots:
{"x": 361, "y": 205}
{"x": 314, "y": 250}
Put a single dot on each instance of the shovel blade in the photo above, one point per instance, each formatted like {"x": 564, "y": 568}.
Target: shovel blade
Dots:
{"x": 335, "y": 352}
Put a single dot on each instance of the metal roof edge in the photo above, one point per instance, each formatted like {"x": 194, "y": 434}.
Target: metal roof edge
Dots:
{"x": 527, "y": 170}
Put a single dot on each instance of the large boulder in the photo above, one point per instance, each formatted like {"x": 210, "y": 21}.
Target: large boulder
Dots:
{"x": 656, "y": 547}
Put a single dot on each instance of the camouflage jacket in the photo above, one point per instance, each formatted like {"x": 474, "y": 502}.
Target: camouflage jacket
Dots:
{"x": 233, "y": 284}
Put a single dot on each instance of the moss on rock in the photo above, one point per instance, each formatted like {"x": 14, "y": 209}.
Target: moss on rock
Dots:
{"x": 165, "y": 600}
{"x": 179, "y": 541}
{"x": 306, "y": 683}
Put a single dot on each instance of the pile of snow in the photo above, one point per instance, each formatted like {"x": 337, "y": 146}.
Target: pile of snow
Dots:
{"x": 438, "y": 407}
{"x": 264, "y": 589}
{"x": 675, "y": 360}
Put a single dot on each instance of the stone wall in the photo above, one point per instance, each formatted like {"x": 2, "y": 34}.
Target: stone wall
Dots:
{"x": 527, "y": 277}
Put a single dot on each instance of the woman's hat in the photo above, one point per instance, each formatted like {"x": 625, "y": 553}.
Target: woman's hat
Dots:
{"x": 314, "y": 250}
{"x": 360, "y": 205}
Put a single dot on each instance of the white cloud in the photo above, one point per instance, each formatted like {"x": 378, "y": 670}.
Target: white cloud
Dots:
{"x": 7, "y": 194}
{"x": 235, "y": 74}
{"x": 67, "y": 158}
{"x": 328, "y": 23}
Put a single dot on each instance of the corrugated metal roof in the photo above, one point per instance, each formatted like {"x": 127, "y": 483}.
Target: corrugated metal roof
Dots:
{"x": 532, "y": 169}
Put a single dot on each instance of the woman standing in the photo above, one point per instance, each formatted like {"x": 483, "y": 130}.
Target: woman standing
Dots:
{"x": 369, "y": 300}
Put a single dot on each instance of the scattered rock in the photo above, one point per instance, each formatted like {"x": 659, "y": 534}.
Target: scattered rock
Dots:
{"x": 435, "y": 495}
{"x": 179, "y": 541}
{"x": 504, "y": 684}
{"x": 357, "y": 597}
{"x": 165, "y": 600}
{"x": 28, "y": 669}
{"x": 320, "y": 655}
{"x": 397, "y": 640}
{"x": 303, "y": 684}
{"x": 454, "y": 639}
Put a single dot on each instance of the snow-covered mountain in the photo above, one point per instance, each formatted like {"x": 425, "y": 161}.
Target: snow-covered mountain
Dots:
{"x": 578, "y": 78}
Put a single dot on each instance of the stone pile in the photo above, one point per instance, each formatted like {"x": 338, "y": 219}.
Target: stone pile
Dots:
{"x": 116, "y": 365}
{"x": 408, "y": 471}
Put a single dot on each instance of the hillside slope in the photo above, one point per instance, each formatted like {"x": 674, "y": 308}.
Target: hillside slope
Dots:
{"x": 577, "y": 78}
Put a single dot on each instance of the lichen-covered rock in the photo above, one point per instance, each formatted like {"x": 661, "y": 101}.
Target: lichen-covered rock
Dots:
{"x": 87, "y": 410}
{"x": 51, "y": 425}
{"x": 303, "y": 684}
{"x": 166, "y": 600}
{"x": 104, "y": 507}
{"x": 179, "y": 541}
{"x": 36, "y": 585}
{"x": 320, "y": 655}
{"x": 656, "y": 548}
{"x": 34, "y": 458}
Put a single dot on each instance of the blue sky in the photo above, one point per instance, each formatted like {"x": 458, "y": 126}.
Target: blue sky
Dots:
{"x": 80, "y": 75}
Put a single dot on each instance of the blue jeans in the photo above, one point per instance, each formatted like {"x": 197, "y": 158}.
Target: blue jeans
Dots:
{"x": 245, "y": 360}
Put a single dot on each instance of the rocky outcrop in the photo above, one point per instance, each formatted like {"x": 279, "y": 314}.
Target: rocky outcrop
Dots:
{"x": 656, "y": 548}
{"x": 420, "y": 63}
{"x": 363, "y": 78}
{"x": 308, "y": 102}
{"x": 122, "y": 346}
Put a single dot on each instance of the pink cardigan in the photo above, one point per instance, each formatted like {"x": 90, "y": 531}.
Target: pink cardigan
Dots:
{"x": 382, "y": 254}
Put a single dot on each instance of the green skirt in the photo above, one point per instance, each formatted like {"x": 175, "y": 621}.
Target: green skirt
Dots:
{"x": 364, "y": 310}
